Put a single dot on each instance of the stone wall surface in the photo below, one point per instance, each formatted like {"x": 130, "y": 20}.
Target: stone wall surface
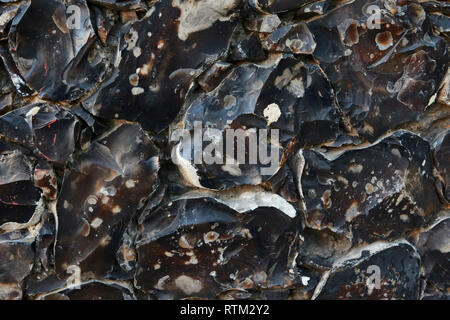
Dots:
{"x": 232, "y": 149}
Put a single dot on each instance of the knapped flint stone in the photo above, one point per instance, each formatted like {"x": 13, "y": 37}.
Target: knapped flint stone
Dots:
{"x": 434, "y": 248}
{"x": 283, "y": 93}
{"x": 305, "y": 98}
{"x": 102, "y": 25}
{"x": 55, "y": 133}
{"x": 321, "y": 248}
{"x": 158, "y": 58}
{"x": 16, "y": 261}
{"x": 384, "y": 76}
{"x": 127, "y": 5}
{"x": 6, "y": 85}
{"x": 14, "y": 73}
{"x": 199, "y": 247}
{"x": 50, "y": 130}
{"x": 35, "y": 287}
{"x": 442, "y": 159}
{"x": 56, "y": 57}
{"x": 295, "y": 39}
{"x": 212, "y": 77}
{"x": 100, "y": 193}
{"x": 45, "y": 179}
{"x": 18, "y": 195}
{"x": 44, "y": 246}
{"x": 314, "y": 9}
{"x": 15, "y": 125}
{"x": 96, "y": 175}
{"x": 7, "y": 13}
{"x": 270, "y": 6}
{"x": 52, "y": 288}
{"x": 93, "y": 290}
{"x": 399, "y": 266}
{"x": 355, "y": 193}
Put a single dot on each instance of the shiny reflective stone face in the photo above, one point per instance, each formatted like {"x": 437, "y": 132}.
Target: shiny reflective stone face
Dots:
{"x": 232, "y": 149}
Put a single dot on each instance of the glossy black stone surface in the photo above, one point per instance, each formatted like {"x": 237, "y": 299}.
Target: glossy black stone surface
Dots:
{"x": 103, "y": 195}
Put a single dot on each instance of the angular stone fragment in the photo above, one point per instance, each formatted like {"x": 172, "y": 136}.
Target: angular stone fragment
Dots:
{"x": 158, "y": 58}
{"x": 247, "y": 49}
{"x": 55, "y": 133}
{"x": 16, "y": 261}
{"x": 306, "y": 101}
{"x": 263, "y": 23}
{"x": 51, "y": 130}
{"x": 211, "y": 78}
{"x": 101, "y": 192}
{"x": 382, "y": 271}
{"x": 199, "y": 247}
{"x": 57, "y": 57}
{"x": 378, "y": 192}
{"x": 434, "y": 246}
{"x": 44, "y": 244}
{"x": 6, "y": 85}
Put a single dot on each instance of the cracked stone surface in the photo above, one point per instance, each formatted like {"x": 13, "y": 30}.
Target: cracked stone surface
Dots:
{"x": 115, "y": 178}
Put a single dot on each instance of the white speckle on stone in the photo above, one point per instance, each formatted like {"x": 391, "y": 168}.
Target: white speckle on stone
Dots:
{"x": 272, "y": 113}
{"x": 137, "y": 91}
{"x": 116, "y": 210}
{"x": 130, "y": 184}
{"x": 97, "y": 222}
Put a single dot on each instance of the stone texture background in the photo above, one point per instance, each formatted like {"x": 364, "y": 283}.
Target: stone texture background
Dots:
{"x": 92, "y": 93}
